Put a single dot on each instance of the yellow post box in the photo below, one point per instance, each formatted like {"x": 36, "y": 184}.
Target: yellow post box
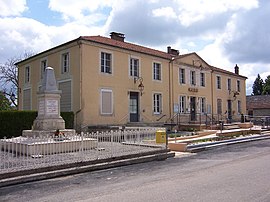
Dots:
{"x": 161, "y": 136}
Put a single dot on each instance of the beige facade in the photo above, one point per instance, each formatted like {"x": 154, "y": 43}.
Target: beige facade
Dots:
{"x": 106, "y": 81}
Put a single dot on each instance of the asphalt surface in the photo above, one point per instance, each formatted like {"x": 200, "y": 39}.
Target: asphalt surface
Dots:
{"x": 239, "y": 172}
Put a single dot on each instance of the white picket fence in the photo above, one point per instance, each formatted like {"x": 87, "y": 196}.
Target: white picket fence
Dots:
{"x": 22, "y": 153}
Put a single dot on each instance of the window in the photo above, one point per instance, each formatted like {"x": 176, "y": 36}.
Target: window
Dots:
{"x": 238, "y": 86}
{"x": 43, "y": 65}
{"x": 218, "y": 82}
{"x": 157, "y": 103}
{"x": 202, "y": 104}
{"x": 182, "y": 78}
{"x": 106, "y": 102}
{"x": 219, "y": 106}
{"x": 229, "y": 84}
{"x": 134, "y": 67}
{"x": 65, "y": 63}
{"x": 193, "y": 78}
{"x": 65, "y": 100}
{"x": 202, "y": 79}
{"x": 27, "y": 74}
{"x": 239, "y": 110}
{"x": 106, "y": 62}
{"x": 26, "y": 99}
{"x": 157, "y": 71}
{"x": 182, "y": 104}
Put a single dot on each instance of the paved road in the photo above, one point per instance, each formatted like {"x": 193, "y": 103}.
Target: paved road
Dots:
{"x": 231, "y": 173}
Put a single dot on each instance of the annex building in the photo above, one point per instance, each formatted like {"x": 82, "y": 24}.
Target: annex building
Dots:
{"x": 107, "y": 81}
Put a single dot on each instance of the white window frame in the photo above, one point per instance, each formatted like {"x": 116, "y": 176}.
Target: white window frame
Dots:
{"x": 202, "y": 79}
{"x": 102, "y": 69}
{"x": 157, "y": 103}
{"x": 27, "y": 75}
{"x": 192, "y": 77}
{"x": 182, "y": 103}
{"x": 156, "y": 66}
{"x": 238, "y": 85}
{"x": 239, "y": 107}
{"x": 229, "y": 84}
{"x": 65, "y": 65}
{"x": 43, "y": 66}
{"x": 132, "y": 66}
{"x": 219, "y": 101}
{"x": 182, "y": 76}
{"x": 202, "y": 104}
{"x": 218, "y": 78}
{"x": 101, "y": 101}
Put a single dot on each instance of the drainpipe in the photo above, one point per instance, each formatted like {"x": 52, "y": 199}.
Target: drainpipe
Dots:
{"x": 80, "y": 97}
{"x": 212, "y": 96}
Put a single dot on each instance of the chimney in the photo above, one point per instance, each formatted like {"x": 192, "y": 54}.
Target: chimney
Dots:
{"x": 236, "y": 69}
{"x": 117, "y": 36}
{"x": 172, "y": 51}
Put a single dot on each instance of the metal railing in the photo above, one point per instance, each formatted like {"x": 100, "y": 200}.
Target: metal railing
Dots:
{"x": 22, "y": 153}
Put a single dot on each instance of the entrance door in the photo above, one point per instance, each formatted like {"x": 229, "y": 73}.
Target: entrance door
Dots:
{"x": 134, "y": 107}
{"x": 193, "y": 108}
{"x": 229, "y": 111}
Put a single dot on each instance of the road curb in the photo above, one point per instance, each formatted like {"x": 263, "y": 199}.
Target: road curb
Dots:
{"x": 88, "y": 168}
{"x": 202, "y": 147}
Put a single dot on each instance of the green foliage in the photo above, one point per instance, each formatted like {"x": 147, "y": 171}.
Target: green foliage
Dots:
{"x": 4, "y": 102}
{"x": 258, "y": 86}
{"x": 14, "y": 122}
{"x": 266, "y": 86}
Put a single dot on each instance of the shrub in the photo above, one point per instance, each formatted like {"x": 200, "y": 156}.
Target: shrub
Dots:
{"x": 14, "y": 122}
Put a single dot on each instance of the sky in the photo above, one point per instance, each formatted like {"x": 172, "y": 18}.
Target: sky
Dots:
{"x": 224, "y": 32}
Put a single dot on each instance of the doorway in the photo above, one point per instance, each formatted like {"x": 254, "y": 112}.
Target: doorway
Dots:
{"x": 193, "y": 108}
{"x": 134, "y": 107}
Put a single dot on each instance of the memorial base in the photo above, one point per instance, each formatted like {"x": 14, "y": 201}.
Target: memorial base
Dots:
{"x": 38, "y": 147}
{"x": 46, "y": 133}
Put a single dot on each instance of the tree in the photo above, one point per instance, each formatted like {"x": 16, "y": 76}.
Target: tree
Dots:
{"x": 258, "y": 86}
{"x": 4, "y": 102}
{"x": 9, "y": 77}
{"x": 266, "y": 86}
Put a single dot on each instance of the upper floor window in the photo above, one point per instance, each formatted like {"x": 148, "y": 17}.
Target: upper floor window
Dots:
{"x": 43, "y": 65}
{"x": 193, "y": 78}
{"x": 106, "y": 62}
{"x": 202, "y": 79}
{"x": 27, "y": 74}
{"x": 218, "y": 82}
{"x": 182, "y": 78}
{"x": 229, "y": 84}
{"x": 157, "y": 103}
{"x": 134, "y": 67}
{"x": 238, "y": 86}
{"x": 65, "y": 63}
{"x": 182, "y": 104}
{"x": 156, "y": 71}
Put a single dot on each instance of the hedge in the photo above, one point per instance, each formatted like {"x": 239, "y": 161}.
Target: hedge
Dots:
{"x": 12, "y": 123}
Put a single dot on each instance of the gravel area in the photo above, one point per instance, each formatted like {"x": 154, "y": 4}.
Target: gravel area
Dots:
{"x": 14, "y": 162}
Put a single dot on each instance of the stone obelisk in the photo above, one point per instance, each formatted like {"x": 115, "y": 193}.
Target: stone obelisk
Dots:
{"x": 48, "y": 119}
{"x": 49, "y": 104}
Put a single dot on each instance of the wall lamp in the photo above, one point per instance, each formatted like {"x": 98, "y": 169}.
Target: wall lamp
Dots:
{"x": 235, "y": 93}
{"x": 140, "y": 86}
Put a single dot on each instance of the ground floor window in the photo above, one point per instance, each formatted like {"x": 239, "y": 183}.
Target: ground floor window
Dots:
{"x": 239, "y": 110}
{"x": 65, "y": 100}
{"x": 157, "y": 103}
{"x": 182, "y": 104}
{"x": 202, "y": 104}
{"x": 106, "y": 102}
{"x": 27, "y": 99}
{"x": 219, "y": 106}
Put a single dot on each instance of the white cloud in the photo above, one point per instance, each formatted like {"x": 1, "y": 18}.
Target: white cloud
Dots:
{"x": 166, "y": 12}
{"x": 75, "y": 10}
{"x": 12, "y": 7}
